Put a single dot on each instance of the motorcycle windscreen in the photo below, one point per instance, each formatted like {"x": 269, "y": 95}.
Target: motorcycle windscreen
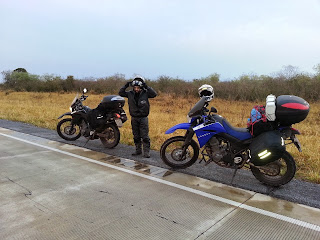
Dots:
{"x": 74, "y": 100}
{"x": 196, "y": 110}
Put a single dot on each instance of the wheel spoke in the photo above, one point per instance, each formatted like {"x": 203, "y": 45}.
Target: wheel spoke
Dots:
{"x": 175, "y": 154}
{"x": 68, "y": 131}
{"x": 110, "y": 136}
{"x": 276, "y": 173}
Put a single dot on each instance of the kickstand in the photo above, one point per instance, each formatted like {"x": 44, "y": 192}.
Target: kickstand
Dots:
{"x": 89, "y": 138}
{"x": 86, "y": 142}
{"x": 234, "y": 174}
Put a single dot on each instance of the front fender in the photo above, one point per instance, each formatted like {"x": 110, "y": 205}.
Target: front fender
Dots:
{"x": 185, "y": 126}
{"x": 65, "y": 114}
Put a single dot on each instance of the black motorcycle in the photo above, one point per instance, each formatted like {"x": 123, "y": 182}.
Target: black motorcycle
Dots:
{"x": 101, "y": 123}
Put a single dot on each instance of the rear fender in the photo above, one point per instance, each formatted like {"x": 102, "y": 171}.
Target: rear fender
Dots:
{"x": 184, "y": 126}
{"x": 294, "y": 139}
{"x": 289, "y": 132}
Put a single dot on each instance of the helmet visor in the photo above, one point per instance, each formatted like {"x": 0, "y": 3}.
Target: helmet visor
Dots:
{"x": 205, "y": 93}
{"x": 136, "y": 83}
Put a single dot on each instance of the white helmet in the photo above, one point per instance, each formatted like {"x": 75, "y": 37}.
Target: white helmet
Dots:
{"x": 138, "y": 81}
{"x": 206, "y": 90}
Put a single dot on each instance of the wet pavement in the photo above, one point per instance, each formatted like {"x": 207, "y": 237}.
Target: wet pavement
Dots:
{"x": 54, "y": 190}
{"x": 296, "y": 191}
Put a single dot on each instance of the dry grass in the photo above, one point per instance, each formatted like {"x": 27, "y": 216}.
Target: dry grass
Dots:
{"x": 42, "y": 109}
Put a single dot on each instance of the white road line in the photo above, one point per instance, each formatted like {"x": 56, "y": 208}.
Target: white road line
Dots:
{"x": 204, "y": 194}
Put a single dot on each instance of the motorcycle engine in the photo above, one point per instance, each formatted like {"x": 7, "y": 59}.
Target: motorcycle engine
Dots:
{"x": 85, "y": 131}
{"x": 218, "y": 150}
{"x": 215, "y": 149}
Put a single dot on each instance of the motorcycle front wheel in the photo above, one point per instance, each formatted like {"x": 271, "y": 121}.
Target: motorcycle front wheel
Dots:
{"x": 171, "y": 152}
{"x": 68, "y": 131}
{"x": 276, "y": 173}
{"x": 110, "y": 136}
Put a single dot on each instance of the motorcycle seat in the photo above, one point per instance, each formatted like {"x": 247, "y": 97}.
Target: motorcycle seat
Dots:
{"x": 240, "y": 133}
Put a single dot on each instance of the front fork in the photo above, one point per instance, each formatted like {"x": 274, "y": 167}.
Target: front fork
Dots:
{"x": 189, "y": 135}
{"x": 76, "y": 120}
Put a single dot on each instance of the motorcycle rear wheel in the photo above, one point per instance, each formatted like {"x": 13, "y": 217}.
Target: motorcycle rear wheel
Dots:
{"x": 171, "y": 151}
{"x": 68, "y": 131}
{"x": 113, "y": 136}
{"x": 280, "y": 171}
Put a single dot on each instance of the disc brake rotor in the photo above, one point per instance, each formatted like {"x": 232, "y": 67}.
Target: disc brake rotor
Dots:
{"x": 69, "y": 130}
{"x": 176, "y": 154}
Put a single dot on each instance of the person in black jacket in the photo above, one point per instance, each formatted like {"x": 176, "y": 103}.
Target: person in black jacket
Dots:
{"x": 139, "y": 108}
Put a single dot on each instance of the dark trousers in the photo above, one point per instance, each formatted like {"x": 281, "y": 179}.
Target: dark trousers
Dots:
{"x": 140, "y": 131}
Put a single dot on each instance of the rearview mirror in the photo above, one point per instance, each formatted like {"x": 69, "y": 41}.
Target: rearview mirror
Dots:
{"x": 214, "y": 110}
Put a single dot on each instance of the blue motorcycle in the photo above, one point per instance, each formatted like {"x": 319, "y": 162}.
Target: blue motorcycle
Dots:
{"x": 265, "y": 155}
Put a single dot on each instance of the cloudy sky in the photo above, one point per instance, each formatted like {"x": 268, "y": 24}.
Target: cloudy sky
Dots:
{"x": 177, "y": 38}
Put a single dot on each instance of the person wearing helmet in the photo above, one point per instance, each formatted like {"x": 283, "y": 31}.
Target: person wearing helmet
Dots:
{"x": 207, "y": 91}
{"x": 139, "y": 108}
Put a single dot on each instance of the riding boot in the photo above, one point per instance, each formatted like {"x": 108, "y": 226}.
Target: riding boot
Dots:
{"x": 138, "y": 150}
{"x": 146, "y": 149}
{"x": 146, "y": 153}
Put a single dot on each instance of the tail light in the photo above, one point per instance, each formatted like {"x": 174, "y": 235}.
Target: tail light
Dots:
{"x": 295, "y": 131}
{"x": 116, "y": 116}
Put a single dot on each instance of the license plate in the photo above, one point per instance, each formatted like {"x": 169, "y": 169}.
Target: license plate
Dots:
{"x": 297, "y": 143}
{"x": 119, "y": 122}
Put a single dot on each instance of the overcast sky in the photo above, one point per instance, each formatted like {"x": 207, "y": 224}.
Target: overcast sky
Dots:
{"x": 177, "y": 38}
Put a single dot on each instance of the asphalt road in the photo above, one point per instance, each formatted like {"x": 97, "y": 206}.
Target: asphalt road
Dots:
{"x": 296, "y": 191}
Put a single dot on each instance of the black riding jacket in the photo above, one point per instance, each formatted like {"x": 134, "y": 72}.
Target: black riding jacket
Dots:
{"x": 138, "y": 103}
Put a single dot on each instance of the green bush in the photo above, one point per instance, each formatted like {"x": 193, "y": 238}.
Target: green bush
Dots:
{"x": 20, "y": 81}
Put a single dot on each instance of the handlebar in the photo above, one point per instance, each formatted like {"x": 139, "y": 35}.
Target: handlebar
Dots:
{"x": 83, "y": 97}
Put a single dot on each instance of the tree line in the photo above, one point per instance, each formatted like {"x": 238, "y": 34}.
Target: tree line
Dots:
{"x": 250, "y": 87}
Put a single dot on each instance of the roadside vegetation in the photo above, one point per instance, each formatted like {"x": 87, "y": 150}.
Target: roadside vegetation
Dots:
{"x": 43, "y": 108}
{"x": 247, "y": 87}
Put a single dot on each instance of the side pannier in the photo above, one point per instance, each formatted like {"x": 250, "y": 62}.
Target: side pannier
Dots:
{"x": 267, "y": 147}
